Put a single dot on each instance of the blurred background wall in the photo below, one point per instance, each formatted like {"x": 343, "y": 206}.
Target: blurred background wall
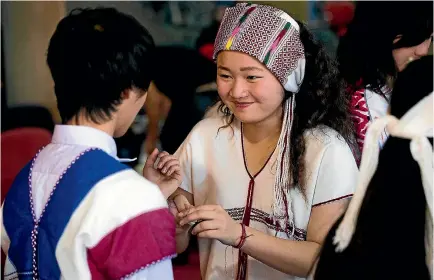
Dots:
{"x": 26, "y": 30}
{"x": 28, "y": 26}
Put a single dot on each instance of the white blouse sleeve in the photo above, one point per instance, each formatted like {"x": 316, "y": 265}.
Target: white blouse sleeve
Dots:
{"x": 337, "y": 176}
{"x": 184, "y": 155}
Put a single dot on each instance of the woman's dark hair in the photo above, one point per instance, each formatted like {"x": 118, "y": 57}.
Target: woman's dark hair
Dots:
{"x": 412, "y": 85}
{"x": 94, "y": 55}
{"x": 321, "y": 101}
{"x": 365, "y": 52}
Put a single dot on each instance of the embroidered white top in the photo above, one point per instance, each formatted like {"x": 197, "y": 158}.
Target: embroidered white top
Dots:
{"x": 214, "y": 172}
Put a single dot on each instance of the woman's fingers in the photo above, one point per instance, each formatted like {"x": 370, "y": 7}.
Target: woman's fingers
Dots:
{"x": 162, "y": 158}
{"x": 154, "y": 158}
{"x": 168, "y": 164}
{"x": 202, "y": 207}
{"x": 205, "y": 226}
{"x": 175, "y": 170}
{"x": 198, "y": 215}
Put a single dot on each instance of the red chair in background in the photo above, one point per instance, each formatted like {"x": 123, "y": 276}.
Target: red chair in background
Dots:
{"x": 18, "y": 147}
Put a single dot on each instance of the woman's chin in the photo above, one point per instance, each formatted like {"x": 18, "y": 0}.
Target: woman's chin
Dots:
{"x": 246, "y": 118}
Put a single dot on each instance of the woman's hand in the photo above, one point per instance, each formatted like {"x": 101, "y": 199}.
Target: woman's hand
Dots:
{"x": 164, "y": 170}
{"x": 177, "y": 205}
{"x": 216, "y": 224}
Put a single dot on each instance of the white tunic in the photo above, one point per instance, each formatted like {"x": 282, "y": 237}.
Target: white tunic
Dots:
{"x": 214, "y": 172}
{"x": 377, "y": 106}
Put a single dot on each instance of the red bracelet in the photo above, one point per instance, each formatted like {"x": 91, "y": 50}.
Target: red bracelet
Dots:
{"x": 243, "y": 237}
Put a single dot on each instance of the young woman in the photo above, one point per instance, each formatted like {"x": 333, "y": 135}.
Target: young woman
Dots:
{"x": 271, "y": 173}
{"x": 380, "y": 42}
{"x": 172, "y": 95}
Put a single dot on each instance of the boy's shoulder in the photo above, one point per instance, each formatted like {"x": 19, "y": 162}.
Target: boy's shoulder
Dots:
{"x": 95, "y": 171}
{"x": 128, "y": 185}
{"x": 118, "y": 178}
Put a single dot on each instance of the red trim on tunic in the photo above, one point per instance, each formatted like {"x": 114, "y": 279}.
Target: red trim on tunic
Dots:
{"x": 141, "y": 241}
{"x": 242, "y": 257}
{"x": 332, "y": 200}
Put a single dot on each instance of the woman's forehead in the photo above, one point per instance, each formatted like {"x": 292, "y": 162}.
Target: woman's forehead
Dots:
{"x": 236, "y": 59}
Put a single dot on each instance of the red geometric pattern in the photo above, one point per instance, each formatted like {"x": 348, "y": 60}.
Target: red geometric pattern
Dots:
{"x": 287, "y": 57}
{"x": 360, "y": 116}
{"x": 256, "y": 34}
{"x": 230, "y": 20}
{"x": 264, "y": 218}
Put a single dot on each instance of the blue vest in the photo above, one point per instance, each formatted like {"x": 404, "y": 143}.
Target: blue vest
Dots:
{"x": 80, "y": 178}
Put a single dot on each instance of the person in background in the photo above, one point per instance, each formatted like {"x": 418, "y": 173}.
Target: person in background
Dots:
{"x": 367, "y": 242}
{"x": 331, "y": 20}
{"x": 74, "y": 211}
{"x": 178, "y": 72}
{"x": 186, "y": 97}
{"x": 266, "y": 181}
{"x": 205, "y": 41}
{"x": 339, "y": 14}
{"x": 380, "y": 42}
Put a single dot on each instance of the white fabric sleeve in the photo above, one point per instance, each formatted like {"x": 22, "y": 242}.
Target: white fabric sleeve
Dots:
{"x": 161, "y": 271}
{"x": 184, "y": 155}
{"x": 337, "y": 177}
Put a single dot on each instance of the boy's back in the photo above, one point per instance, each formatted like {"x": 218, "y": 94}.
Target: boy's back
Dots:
{"x": 94, "y": 202}
{"x": 76, "y": 212}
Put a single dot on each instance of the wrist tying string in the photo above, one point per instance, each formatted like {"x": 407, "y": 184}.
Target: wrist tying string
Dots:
{"x": 240, "y": 244}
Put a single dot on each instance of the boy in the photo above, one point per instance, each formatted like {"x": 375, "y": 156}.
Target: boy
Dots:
{"x": 75, "y": 212}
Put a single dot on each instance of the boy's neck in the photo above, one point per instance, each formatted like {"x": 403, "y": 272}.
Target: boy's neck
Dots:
{"x": 107, "y": 127}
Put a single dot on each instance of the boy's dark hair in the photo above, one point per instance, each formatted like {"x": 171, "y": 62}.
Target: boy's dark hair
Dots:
{"x": 94, "y": 55}
{"x": 365, "y": 52}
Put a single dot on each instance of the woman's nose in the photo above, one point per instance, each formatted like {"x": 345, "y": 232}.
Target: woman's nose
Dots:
{"x": 238, "y": 90}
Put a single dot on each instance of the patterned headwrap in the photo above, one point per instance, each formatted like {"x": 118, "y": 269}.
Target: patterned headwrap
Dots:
{"x": 273, "y": 37}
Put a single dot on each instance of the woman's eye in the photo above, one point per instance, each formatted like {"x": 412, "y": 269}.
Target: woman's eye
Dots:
{"x": 224, "y": 76}
{"x": 252, "y": 78}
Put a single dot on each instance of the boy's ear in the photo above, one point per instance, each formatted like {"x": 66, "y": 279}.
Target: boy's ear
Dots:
{"x": 126, "y": 94}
